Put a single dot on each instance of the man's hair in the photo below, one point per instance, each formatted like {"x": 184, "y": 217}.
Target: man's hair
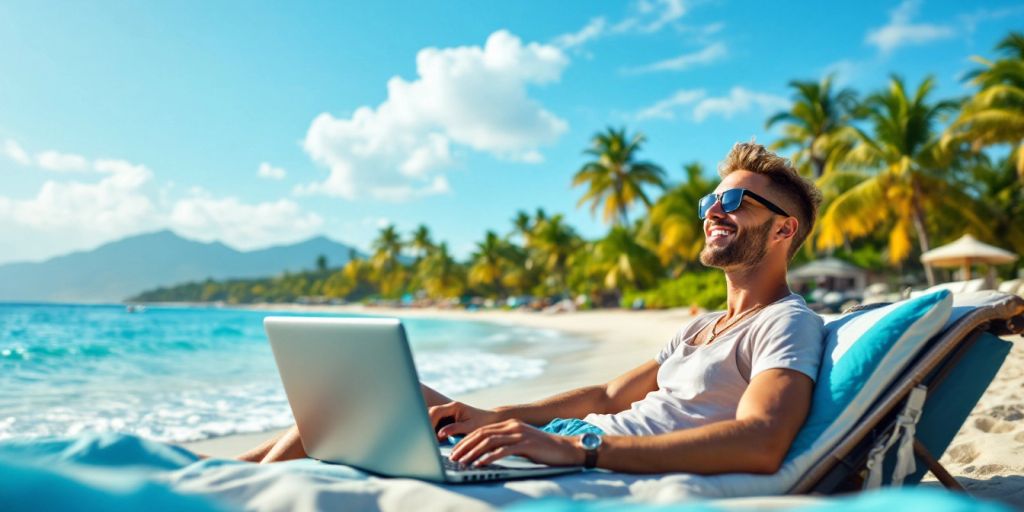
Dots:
{"x": 786, "y": 182}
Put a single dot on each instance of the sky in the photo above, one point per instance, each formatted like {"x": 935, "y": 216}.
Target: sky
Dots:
{"x": 266, "y": 123}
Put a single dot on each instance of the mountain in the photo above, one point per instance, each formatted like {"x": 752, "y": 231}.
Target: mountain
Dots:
{"x": 120, "y": 269}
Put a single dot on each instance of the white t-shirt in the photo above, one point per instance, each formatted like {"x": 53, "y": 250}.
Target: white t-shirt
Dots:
{"x": 703, "y": 384}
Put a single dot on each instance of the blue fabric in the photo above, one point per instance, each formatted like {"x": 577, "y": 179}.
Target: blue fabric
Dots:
{"x": 840, "y": 382}
{"x": 92, "y": 472}
{"x": 949, "y": 404}
{"x": 932, "y": 500}
{"x": 570, "y": 427}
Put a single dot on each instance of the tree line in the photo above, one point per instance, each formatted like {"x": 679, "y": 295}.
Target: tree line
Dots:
{"x": 900, "y": 170}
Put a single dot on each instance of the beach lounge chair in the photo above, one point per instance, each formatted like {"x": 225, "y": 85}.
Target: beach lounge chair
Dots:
{"x": 955, "y": 287}
{"x": 922, "y": 410}
{"x": 1014, "y": 286}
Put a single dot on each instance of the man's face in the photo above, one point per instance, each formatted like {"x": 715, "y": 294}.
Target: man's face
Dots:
{"x": 739, "y": 238}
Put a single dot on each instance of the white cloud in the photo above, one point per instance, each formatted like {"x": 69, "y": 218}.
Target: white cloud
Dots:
{"x": 469, "y": 96}
{"x": 244, "y": 226}
{"x": 377, "y": 222}
{"x": 401, "y": 193}
{"x": 592, "y": 30}
{"x": 900, "y": 31}
{"x": 738, "y": 100}
{"x": 844, "y": 71}
{"x": 120, "y": 199}
{"x": 646, "y": 17}
{"x": 270, "y": 172}
{"x": 113, "y": 207}
{"x": 16, "y": 153}
{"x": 651, "y": 16}
{"x": 709, "y": 54}
{"x": 972, "y": 20}
{"x": 666, "y": 108}
{"x": 61, "y": 162}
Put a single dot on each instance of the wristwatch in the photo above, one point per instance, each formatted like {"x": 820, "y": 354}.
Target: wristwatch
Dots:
{"x": 590, "y": 443}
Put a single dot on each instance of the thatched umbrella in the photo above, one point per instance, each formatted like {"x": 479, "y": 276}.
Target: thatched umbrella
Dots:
{"x": 964, "y": 252}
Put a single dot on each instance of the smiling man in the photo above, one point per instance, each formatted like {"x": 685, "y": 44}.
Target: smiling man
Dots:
{"x": 728, "y": 393}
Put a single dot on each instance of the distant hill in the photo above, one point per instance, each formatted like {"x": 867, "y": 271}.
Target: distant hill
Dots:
{"x": 115, "y": 271}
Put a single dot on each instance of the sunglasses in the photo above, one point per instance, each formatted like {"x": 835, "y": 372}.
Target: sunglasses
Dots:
{"x": 731, "y": 201}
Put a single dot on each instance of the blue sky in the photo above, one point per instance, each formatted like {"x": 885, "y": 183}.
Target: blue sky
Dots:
{"x": 258, "y": 123}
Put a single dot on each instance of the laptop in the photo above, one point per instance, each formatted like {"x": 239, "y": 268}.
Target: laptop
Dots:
{"x": 356, "y": 398}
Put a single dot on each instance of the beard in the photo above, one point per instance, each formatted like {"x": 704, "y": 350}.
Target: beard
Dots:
{"x": 746, "y": 249}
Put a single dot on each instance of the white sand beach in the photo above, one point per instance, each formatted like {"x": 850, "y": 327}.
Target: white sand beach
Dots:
{"x": 987, "y": 456}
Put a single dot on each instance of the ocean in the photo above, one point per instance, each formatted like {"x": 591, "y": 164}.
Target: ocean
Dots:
{"x": 185, "y": 374}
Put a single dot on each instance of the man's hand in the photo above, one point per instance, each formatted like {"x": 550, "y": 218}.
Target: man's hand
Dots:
{"x": 513, "y": 437}
{"x": 465, "y": 418}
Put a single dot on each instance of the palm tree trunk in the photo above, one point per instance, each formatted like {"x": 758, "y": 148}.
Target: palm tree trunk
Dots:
{"x": 819, "y": 166}
{"x": 622, "y": 205}
{"x": 922, "y": 233}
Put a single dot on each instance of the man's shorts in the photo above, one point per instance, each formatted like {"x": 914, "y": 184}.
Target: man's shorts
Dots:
{"x": 571, "y": 427}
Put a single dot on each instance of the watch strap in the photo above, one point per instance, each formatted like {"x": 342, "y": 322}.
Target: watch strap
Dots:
{"x": 590, "y": 458}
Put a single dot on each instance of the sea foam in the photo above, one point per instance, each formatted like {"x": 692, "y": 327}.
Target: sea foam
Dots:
{"x": 186, "y": 374}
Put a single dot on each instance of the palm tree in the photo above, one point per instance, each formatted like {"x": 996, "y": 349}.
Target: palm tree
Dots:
{"x": 615, "y": 180}
{"x": 522, "y": 224}
{"x": 490, "y": 262}
{"x": 904, "y": 177}
{"x": 816, "y": 125}
{"x": 995, "y": 114}
{"x": 443, "y": 277}
{"x": 1001, "y": 194}
{"x": 421, "y": 243}
{"x": 620, "y": 262}
{"x": 552, "y": 245}
{"x": 388, "y": 269}
{"x": 672, "y": 228}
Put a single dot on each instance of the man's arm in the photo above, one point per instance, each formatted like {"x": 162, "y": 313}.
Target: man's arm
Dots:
{"x": 769, "y": 415}
{"x": 611, "y": 397}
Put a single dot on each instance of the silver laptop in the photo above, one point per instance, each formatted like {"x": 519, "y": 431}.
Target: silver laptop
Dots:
{"x": 356, "y": 398}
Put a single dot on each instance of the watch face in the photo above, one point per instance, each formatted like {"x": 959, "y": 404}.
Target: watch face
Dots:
{"x": 590, "y": 441}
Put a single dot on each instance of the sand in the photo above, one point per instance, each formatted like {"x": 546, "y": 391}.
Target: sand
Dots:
{"x": 987, "y": 455}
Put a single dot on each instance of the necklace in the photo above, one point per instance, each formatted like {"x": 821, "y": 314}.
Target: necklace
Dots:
{"x": 732, "y": 323}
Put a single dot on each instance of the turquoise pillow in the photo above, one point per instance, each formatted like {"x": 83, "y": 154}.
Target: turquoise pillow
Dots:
{"x": 857, "y": 344}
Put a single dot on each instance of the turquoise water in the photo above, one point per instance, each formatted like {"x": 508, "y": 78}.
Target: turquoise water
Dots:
{"x": 182, "y": 374}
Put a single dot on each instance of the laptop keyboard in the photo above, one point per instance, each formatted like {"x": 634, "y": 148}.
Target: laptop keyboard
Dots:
{"x": 451, "y": 465}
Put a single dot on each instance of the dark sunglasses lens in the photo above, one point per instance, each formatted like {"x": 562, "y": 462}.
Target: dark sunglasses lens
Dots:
{"x": 706, "y": 203}
{"x": 731, "y": 199}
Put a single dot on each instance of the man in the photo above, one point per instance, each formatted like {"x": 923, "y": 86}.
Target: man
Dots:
{"x": 727, "y": 394}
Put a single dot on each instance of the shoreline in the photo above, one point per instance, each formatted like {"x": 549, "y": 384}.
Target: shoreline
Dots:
{"x": 619, "y": 341}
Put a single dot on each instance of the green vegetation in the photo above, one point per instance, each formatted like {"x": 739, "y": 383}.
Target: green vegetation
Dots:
{"x": 901, "y": 172}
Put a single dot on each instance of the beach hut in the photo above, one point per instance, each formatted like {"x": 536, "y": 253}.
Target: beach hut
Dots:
{"x": 964, "y": 253}
{"x": 833, "y": 273}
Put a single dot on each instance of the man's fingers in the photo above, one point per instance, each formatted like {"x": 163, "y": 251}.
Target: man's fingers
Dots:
{"x": 488, "y": 444}
{"x": 493, "y": 429}
{"x": 498, "y": 454}
{"x": 455, "y": 429}
{"x": 438, "y": 412}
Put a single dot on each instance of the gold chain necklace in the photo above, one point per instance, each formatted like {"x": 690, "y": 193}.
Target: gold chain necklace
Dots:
{"x": 732, "y": 323}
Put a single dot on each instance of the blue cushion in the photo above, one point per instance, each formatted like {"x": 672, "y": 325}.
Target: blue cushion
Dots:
{"x": 932, "y": 500}
{"x": 857, "y": 345}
